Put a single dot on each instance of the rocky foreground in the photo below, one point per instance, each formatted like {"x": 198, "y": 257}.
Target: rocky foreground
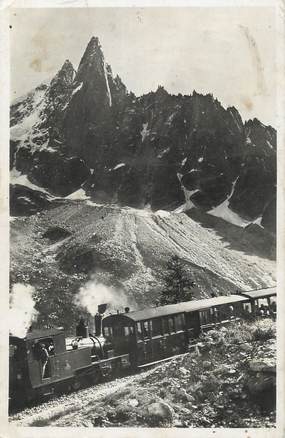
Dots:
{"x": 228, "y": 381}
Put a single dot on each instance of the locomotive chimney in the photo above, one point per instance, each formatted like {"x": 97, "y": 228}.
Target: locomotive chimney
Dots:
{"x": 102, "y": 308}
{"x": 98, "y": 324}
{"x": 98, "y": 319}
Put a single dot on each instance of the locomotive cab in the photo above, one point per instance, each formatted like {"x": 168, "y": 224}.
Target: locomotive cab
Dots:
{"x": 40, "y": 361}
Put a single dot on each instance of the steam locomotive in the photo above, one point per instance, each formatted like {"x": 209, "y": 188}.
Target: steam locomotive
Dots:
{"x": 46, "y": 362}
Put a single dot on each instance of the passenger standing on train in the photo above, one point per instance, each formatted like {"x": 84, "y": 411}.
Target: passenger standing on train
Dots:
{"x": 44, "y": 357}
{"x": 51, "y": 349}
{"x": 261, "y": 311}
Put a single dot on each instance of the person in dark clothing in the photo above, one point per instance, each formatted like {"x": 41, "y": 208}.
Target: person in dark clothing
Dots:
{"x": 81, "y": 328}
{"x": 44, "y": 358}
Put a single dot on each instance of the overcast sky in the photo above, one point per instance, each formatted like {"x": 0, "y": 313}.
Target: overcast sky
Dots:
{"x": 229, "y": 52}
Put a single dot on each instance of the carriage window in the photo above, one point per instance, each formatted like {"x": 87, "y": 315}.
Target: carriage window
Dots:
{"x": 179, "y": 322}
{"x": 165, "y": 325}
{"x": 139, "y": 330}
{"x": 145, "y": 329}
{"x": 128, "y": 331}
{"x": 215, "y": 314}
{"x": 156, "y": 327}
{"x": 118, "y": 331}
{"x": 192, "y": 319}
{"x": 247, "y": 307}
{"x": 171, "y": 324}
{"x": 108, "y": 332}
{"x": 204, "y": 316}
{"x": 221, "y": 313}
{"x": 231, "y": 311}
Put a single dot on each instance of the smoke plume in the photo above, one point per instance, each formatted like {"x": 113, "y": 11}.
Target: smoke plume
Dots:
{"x": 22, "y": 309}
{"x": 94, "y": 293}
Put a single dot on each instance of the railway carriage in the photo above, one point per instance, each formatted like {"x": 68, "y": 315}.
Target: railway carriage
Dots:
{"x": 156, "y": 333}
{"x": 262, "y": 297}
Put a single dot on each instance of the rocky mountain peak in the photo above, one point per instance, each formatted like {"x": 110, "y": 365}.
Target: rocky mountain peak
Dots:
{"x": 65, "y": 76}
{"x": 92, "y": 64}
{"x": 161, "y": 92}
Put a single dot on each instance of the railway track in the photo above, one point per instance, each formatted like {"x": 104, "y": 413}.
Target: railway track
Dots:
{"x": 82, "y": 386}
{"x": 54, "y": 411}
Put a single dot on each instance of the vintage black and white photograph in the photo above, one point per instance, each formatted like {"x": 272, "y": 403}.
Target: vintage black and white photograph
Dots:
{"x": 143, "y": 217}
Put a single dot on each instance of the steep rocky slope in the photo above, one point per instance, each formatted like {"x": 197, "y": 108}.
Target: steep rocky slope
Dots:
{"x": 59, "y": 249}
{"x": 84, "y": 129}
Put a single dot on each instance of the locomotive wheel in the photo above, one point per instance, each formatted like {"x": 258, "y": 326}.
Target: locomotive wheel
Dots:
{"x": 95, "y": 378}
{"x": 76, "y": 385}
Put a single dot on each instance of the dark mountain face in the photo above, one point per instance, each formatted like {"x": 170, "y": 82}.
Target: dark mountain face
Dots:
{"x": 159, "y": 150}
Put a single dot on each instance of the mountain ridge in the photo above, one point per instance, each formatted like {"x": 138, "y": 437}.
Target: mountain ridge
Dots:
{"x": 107, "y": 184}
{"x": 159, "y": 150}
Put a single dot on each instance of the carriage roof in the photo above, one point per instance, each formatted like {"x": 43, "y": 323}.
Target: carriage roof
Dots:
{"x": 260, "y": 293}
{"x": 186, "y": 306}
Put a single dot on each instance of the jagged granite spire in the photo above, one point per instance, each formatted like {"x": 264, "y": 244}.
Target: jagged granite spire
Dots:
{"x": 92, "y": 70}
{"x": 93, "y": 54}
{"x": 65, "y": 75}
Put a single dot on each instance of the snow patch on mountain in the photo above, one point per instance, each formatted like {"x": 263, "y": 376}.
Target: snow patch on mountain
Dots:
{"x": 165, "y": 151}
{"x": 77, "y": 89}
{"x": 17, "y": 177}
{"x": 257, "y": 221}
{"x": 21, "y": 130}
{"x": 224, "y": 212}
{"x": 107, "y": 84}
{"x": 170, "y": 119}
{"x": 78, "y": 195}
{"x": 118, "y": 166}
{"x": 144, "y": 132}
{"x": 162, "y": 213}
